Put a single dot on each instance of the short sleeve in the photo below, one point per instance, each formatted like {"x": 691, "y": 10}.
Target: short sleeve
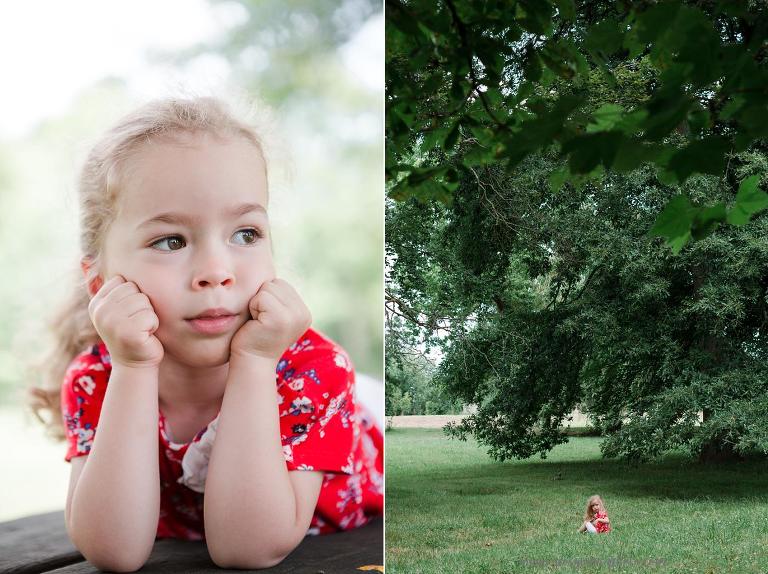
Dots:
{"x": 318, "y": 424}
{"x": 82, "y": 394}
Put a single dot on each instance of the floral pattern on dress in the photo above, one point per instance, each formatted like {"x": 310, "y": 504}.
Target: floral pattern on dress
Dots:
{"x": 321, "y": 427}
{"x": 602, "y": 526}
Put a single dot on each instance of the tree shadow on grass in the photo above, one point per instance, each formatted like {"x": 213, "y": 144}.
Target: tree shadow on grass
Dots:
{"x": 677, "y": 478}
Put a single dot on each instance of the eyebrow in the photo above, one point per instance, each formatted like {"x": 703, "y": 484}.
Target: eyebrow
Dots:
{"x": 181, "y": 219}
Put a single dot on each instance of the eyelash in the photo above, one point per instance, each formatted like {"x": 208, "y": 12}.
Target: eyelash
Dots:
{"x": 257, "y": 234}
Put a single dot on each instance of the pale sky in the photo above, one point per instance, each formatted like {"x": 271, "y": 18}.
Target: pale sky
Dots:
{"x": 51, "y": 50}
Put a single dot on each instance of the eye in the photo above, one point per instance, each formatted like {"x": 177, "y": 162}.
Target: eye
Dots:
{"x": 246, "y": 236}
{"x": 170, "y": 243}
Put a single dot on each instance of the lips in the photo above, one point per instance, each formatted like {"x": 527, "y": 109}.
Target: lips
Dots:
{"x": 213, "y": 321}
{"x": 213, "y": 313}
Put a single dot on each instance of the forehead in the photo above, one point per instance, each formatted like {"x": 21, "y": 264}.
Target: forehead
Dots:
{"x": 197, "y": 174}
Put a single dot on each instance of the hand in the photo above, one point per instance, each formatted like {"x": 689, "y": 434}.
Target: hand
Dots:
{"x": 125, "y": 320}
{"x": 279, "y": 318}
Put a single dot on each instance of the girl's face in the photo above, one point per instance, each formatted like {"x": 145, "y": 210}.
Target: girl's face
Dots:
{"x": 192, "y": 232}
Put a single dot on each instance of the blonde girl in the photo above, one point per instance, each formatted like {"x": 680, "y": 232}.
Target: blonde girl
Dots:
{"x": 595, "y": 517}
{"x": 196, "y": 400}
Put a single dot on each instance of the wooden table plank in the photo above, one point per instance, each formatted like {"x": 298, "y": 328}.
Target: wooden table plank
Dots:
{"x": 40, "y": 544}
{"x": 35, "y": 544}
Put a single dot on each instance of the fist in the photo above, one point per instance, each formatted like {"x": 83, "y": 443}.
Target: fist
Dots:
{"x": 125, "y": 320}
{"x": 279, "y": 317}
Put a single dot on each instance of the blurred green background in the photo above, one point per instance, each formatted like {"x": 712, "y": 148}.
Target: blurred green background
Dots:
{"x": 318, "y": 65}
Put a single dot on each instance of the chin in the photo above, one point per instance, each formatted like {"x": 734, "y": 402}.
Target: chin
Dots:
{"x": 205, "y": 353}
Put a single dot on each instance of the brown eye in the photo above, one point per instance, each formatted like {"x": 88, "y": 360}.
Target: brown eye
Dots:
{"x": 172, "y": 243}
{"x": 245, "y": 236}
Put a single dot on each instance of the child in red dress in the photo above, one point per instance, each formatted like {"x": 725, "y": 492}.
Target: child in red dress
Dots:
{"x": 595, "y": 517}
{"x": 196, "y": 400}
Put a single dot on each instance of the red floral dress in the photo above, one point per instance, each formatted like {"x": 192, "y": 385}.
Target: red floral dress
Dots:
{"x": 602, "y": 526}
{"x": 321, "y": 428}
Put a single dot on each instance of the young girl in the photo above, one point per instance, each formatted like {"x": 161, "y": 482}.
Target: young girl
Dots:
{"x": 595, "y": 517}
{"x": 196, "y": 400}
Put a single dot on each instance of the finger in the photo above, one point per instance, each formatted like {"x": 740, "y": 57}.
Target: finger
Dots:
{"x": 291, "y": 300}
{"x": 264, "y": 302}
{"x": 107, "y": 287}
{"x": 282, "y": 290}
{"x": 145, "y": 320}
{"x": 134, "y": 304}
{"x": 119, "y": 294}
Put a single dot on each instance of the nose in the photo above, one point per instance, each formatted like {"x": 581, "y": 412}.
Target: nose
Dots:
{"x": 212, "y": 270}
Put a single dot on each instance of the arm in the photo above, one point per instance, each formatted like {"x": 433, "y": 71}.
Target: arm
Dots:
{"x": 114, "y": 498}
{"x": 113, "y": 503}
{"x": 257, "y": 514}
{"x": 256, "y": 511}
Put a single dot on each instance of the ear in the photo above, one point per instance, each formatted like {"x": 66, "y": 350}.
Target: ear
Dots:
{"x": 94, "y": 280}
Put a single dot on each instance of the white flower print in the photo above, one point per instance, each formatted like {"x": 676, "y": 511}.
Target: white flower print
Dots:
{"x": 86, "y": 383}
{"x": 296, "y": 384}
{"x": 301, "y": 405}
{"x": 84, "y": 439}
{"x": 342, "y": 361}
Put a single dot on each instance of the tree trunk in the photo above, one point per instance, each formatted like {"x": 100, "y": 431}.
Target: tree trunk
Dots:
{"x": 717, "y": 451}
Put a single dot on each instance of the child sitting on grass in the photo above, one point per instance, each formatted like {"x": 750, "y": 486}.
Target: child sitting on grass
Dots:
{"x": 595, "y": 517}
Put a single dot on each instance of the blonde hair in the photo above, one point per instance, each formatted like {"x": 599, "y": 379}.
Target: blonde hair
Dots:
{"x": 588, "y": 515}
{"x": 100, "y": 181}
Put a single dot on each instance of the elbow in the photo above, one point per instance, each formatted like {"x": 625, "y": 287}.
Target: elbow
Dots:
{"x": 251, "y": 556}
{"x": 112, "y": 556}
{"x": 246, "y": 560}
{"x": 121, "y": 561}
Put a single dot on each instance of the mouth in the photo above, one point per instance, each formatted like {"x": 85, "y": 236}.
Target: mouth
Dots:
{"x": 213, "y": 321}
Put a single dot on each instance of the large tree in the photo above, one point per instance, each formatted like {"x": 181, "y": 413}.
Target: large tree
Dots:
{"x": 546, "y": 291}
{"x": 548, "y": 301}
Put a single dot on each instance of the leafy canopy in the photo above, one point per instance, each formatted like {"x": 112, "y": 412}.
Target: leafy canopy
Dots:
{"x": 471, "y": 84}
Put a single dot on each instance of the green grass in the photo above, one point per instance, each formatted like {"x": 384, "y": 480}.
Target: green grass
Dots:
{"x": 451, "y": 508}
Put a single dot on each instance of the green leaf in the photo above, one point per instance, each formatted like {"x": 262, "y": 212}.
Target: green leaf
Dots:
{"x": 532, "y": 65}
{"x": 452, "y": 137}
{"x": 655, "y": 21}
{"x": 557, "y": 178}
{"x": 750, "y": 200}
{"x": 699, "y": 120}
{"x": 702, "y": 156}
{"x": 707, "y": 219}
{"x": 564, "y": 59}
{"x": 589, "y": 151}
{"x": 434, "y": 138}
{"x": 632, "y": 154}
{"x": 604, "y": 38}
{"x": 674, "y": 223}
{"x": 567, "y": 9}
{"x": 534, "y": 15}
{"x": 457, "y": 91}
{"x": 666, "y": 110}
{"x": 605, "y": 118}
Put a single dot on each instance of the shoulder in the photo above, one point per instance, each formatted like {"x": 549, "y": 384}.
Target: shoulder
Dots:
{"x": 313, "y": 375}
{"x": 315, "y": 357}
{"x": 87, "y": 374}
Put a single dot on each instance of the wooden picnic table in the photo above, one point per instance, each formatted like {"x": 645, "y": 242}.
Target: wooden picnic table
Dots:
{"x": 40, "y": 544}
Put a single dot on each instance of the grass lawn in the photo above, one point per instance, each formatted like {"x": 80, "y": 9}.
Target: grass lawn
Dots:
{"x": 451, "y": 508}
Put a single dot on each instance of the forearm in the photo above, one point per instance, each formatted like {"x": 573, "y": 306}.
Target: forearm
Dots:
{"x": 249, "y": 500}
{"x": 116, "y": 503}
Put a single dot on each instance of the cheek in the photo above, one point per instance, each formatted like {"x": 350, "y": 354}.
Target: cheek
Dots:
{"x": 160, "y": 293}
{"x": 253, "y": 274}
